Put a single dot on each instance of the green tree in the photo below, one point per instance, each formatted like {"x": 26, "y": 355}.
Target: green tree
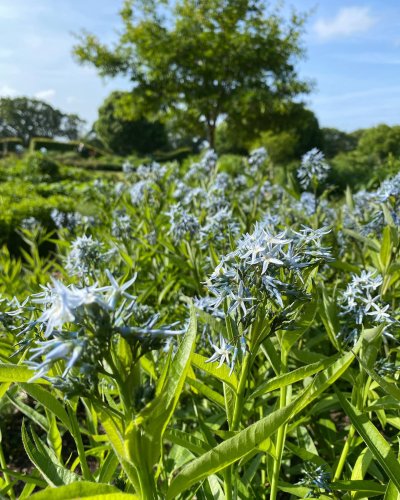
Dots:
{"x": 201, "y": 61}
{"x": 26, "y": 118}
{"x": 125, "y": 133}
{"x": 336, "y": 141}
{"x": 287, "y": 136}
{"x": 379, "y": 142}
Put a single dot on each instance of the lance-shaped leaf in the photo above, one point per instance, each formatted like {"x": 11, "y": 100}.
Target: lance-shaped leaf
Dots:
{"x": 379, "y": 447}
{"x": 144, "y": 434}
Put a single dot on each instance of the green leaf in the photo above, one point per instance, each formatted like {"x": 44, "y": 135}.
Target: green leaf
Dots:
{"x": 229, "y": 398}
{"x": 221, "y": 373}
{"x": 76, "y": 434}
{"x": 49, "y": 401}
{"x": 84, "y": 489}
{"x": 270, "y": 352}
{"x": 47, "y": 464}
{"x": 388, "y": 387}
{"x": 214, "y": 323}
{"x": 230, "y": 450}
{"x": 328, "y": 311}
{"x": 249, "y": 439}
{"x": 292, "y": 377}
{"x": 186, "y": 440}
{"x": 373, "y": 439}
{"x": 305, "y": 455}
{"x": 367, "y": 488}
{"x": 206, "y": 391}
{"x": 391, "y": 492}
{"x": 144, "y": 435}
{"x": 17, "y": 373}
{"x": 164, "y": 373}
{"x": 25, "y": 478}
{"x": 32, "y": 414}
{"x": 53, "y": 436}
{"x": 362, "y": 463}
{"x": 326, "y": 378}
{"x": 114, "y": 429}
{"x": 370, "y": 243}
{"x": 300, "y": 491}
{"x": 108, "y": 468}
{"x": 385, "y": 253}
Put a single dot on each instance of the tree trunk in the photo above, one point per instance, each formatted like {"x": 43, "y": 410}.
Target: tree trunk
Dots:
{"x": 211, "y": 134}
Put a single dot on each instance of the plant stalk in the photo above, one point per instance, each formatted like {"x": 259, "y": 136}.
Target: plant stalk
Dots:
{"x": 6, "y": 477}
{"x": 281, "y": 434}
{"x": 343, "y": 455}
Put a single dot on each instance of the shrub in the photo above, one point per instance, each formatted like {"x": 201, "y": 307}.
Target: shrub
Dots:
{"x": 38, "y": 165}
{"x": 232, "y": 164}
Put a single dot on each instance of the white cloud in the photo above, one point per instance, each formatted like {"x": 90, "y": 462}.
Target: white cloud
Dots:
{"x": 348, "y": 20}
{"x": 7, "y": 91}
{"x": 45, "y": 95}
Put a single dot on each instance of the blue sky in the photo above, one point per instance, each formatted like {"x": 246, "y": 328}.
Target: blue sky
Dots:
{"x": 353, "y": 56}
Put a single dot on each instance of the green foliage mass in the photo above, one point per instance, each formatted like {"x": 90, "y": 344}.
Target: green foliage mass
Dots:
{"x": 361, "y": 158}
{"x": 378, "y": 142}
{"x": 206, "y": 332}
{"x": 27, "y": 118}
{"x": 336, "y": 141}
{"x": 195, "y": 62}
{"x": 125, "y": 133}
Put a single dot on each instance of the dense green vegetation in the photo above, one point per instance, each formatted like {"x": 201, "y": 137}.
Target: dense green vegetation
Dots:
{"x": 200, "y": 297}
{"x": 282, "y": 384}
{"x": 28, "y": 118}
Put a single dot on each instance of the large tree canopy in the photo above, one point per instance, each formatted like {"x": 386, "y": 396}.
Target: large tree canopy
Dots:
{"x": 26, "y": 118}
{"x": 203, "y": 60}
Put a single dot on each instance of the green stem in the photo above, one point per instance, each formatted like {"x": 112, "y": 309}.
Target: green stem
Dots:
{"x": 236, "y": 419}
{"x": 7, "y": 479}
{"x": 124, "y": 393}
{"x": 239, "y": 402}
{"x": 343, "y": 456}
{"x": 281, "y": 434}
{"x": 147, "y": 485}
{"x": 361, "y": 400}
{"x": 228, "y": 483}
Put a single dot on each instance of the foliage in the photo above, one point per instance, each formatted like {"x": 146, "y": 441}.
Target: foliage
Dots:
{"x": 27, "y": 118}
{"x": 287, "y": 133}
{"x": 129, "y": 133}
{"x": 378, "y": 142}
{"x": 336, "y": 141}
{"x": 198, "y": 61}
{"x": 41, "y": 166}
{"x": 204, "y": 332}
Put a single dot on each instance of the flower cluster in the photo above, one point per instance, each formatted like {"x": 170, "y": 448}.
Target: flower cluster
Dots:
{"x": 257, "y": 159}
{"x": 361, "y": 300}
{"x": 182, "y": 223}
{"x": 86, "y": 256}
{"x": 202, "y": 169}
{"x": 313, "y": 169}
{"x": 316, "y": 478}
{"x": 366, "y": 215}
{"x": 265, "y": 268}
{"x": 70, "y": 220}
{"x": 121, "y": 224}
{"x": 78, "y": 326}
